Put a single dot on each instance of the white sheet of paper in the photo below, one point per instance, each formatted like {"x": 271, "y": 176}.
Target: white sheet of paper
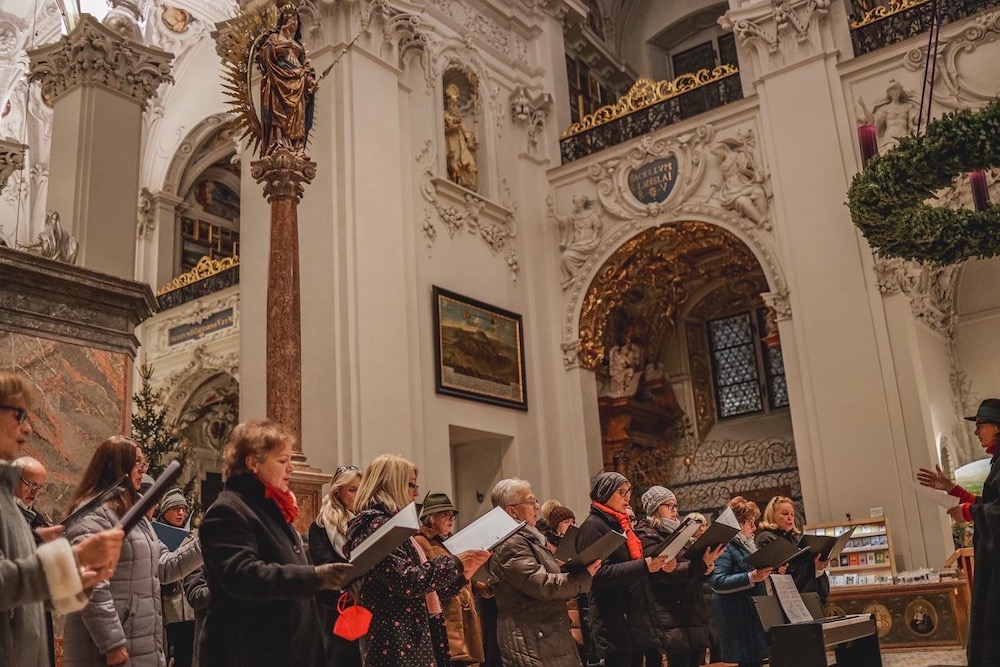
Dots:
{"x": 728, "y": 518}
{"x": 483, "y": 533}
{"x": 791, "y": 602}
{"x": 933, "y": 495}
{"x": 681, "y": 541}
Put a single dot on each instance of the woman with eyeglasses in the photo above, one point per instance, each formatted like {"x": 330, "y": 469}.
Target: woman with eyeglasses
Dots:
{"x": 33, "y": 574}
{"x": 327, "y": 538}
{"x": 622, "y": 607}
{"x": 778, "y": 523}
{"x": 262, "y": 588}
{"x": 123, "y": 622}
{"x": 457, "y": 631}
{"x": 408, "y": 587}
{"x": 677, "y": 596}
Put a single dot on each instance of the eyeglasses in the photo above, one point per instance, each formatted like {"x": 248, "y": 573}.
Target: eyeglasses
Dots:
{"x": 141, "y": 466}
{"x": 624, "y": 493}
{"x": 347, "y": 468}
{"x": 32, "y": 486}
{"x": 413, "y": 485}
{"x": 670, "y": 506}
{"x": 529, "y": 501}
{"x": 448, "y": 515}
{"x": 20, "y": 414}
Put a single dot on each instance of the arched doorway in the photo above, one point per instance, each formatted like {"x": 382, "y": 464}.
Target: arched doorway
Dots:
{"x": 687, "y": 358}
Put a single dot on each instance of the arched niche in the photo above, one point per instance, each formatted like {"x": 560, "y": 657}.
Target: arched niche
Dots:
{"x": 463, "y": 140}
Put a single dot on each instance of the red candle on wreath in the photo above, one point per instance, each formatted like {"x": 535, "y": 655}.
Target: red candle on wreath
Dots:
{"x": 868, "y": 139}
{"x": 980, "y": 193}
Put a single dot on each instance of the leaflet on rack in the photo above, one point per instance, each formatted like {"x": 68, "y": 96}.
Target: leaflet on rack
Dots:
{"x": 385, "y": 540}
{"x": 485, "y": 533}
{"x": 670, "y": 547}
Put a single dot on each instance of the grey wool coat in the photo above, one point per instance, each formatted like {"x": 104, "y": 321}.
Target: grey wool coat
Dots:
{"x": 533, "y": 626}
{"x": 30, "y": 577}
{"x": 126, "y": 610}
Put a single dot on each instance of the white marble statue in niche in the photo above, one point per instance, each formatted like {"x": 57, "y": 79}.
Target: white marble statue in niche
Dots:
{"x": 744, "y": 185}
{"x": 460, "y": 142}
{"x": 579, "y": 237}
{"x": 624, "y": 362}
{"x": 894, "y": 116}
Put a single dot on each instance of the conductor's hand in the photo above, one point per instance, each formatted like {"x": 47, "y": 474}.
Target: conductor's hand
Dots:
{"x": 956, "y": 514}
{"x": 333, "y": 576}
{"x": 100, "y": 552}
{"x": 594, "y": 567}
{"x": 936, "y": 479}
{"x": 472, "y": 561}
{"x": 760, "y": 575}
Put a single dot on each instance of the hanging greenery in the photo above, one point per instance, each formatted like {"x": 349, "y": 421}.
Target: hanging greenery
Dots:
{"x": 887, "y": 198}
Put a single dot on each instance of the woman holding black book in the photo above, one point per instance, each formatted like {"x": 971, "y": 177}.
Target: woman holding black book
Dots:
{"x": 809, "y": 572}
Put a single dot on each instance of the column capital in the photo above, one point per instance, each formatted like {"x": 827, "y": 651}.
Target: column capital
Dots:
{"x": 11, "y": 160}
{"x": 284, "y": 174}
{"x": 778, "y": 33}
{"x": 94, "y": 54}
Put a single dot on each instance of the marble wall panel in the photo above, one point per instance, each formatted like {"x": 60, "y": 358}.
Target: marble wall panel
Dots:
{"x": 83, "y": 397}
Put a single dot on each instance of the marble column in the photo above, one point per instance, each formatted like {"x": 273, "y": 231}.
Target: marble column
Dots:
{"x": 99, "y": 81}
{"x": 284, "y": 175}
{"x": 11, "y": 160}
{"x": 70, "y": 330}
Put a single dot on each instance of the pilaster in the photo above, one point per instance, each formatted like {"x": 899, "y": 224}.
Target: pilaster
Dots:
{"x": 99, "y": 82}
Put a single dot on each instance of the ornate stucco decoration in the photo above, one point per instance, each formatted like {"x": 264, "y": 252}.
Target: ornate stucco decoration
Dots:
{"x": 11, "y": 160}
{"x": 929, "y": 287}
{"x": 779, "y": 303}
{"x": 961, "y": 63}
{"x": 530, "y": 111}
{"x": 781, "y": 32}
{"x": 96, "y": 55}
{"x": 146, "y": 220}
{"x": 193, "y": 312}
{"x": 501, "y": 36}
{"x": 202, "y": 364}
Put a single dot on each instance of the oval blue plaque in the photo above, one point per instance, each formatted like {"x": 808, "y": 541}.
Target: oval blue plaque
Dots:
{"x": 653, "y": 182}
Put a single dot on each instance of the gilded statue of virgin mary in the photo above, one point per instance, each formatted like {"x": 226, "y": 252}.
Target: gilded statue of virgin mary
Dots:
{"x": 288, "y": 86}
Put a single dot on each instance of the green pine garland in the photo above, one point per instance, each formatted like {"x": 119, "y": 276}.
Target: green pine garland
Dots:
{"x": 887, "y": 197}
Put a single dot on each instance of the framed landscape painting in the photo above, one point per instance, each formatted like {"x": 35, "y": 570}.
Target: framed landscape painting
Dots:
{"x": 478, "y": 351}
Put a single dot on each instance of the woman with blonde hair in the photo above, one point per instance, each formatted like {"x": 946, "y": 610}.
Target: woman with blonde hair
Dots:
{"x": 123, "y": 622}
{"x": 262, "y": 608}
{"x": 779, "y": 522}
{"x": 327, "y": 539}
{"x": 406, "y": 588}
{"x": 734, "y": 582}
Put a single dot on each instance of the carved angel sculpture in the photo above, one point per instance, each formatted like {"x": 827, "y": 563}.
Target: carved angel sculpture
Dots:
{"x": 288, "y": 86}
{"x": 743, "y": 187}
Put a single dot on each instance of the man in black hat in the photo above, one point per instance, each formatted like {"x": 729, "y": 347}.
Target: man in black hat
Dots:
{"x": 984, "y": 512}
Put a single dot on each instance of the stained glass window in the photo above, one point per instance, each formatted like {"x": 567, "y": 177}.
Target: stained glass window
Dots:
{"x": 734, "y": 365}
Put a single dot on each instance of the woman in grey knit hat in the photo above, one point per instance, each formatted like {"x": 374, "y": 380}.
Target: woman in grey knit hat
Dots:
{"x": 622, "y": 606}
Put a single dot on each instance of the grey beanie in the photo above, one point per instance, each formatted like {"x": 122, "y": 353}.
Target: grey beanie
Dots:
{"x": 171, "y": 499}
{"x": 654, "y": 497}
{"x": 604, "y": 484}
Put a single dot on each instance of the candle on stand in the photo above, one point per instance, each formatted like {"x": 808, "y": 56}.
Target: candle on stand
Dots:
{"x": 980, "y": 193}
{"x": 868, "y": 139}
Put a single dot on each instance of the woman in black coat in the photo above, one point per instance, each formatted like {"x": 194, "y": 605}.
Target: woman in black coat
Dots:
{"x": 327, "y": 539}
{"x": 681, "y": 613}
{"x": 621, "y": 602}
{"x": 405, "y": 590}
{"x": 778, "y": 522}
{"x": 262, "y": 609}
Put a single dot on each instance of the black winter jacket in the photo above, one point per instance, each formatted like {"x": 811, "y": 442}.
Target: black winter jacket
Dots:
{"x": 262, "y": 610}
{"x": 339, "y": 651}
{"x": 621, "y": 598}
{"x": 682, "y": 613}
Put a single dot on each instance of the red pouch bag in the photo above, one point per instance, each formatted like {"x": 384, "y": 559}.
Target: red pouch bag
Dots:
{"x": 354, "y": 619}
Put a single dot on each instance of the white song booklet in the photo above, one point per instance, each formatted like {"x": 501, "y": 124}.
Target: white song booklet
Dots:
{"x": 485, "y": 533}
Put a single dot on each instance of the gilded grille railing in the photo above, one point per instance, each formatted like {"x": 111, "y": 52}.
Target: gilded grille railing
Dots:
{"x": 898, "y": 20}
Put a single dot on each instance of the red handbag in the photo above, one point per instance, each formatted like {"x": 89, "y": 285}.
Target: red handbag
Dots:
{"x": 354, "y": 619}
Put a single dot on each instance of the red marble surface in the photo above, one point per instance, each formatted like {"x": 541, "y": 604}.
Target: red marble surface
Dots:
{"x": 83, "y": 397}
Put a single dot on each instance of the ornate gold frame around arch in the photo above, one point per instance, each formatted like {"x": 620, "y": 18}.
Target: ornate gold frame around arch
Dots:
{"x": 181, "y": 172}
{"x": 574, "y": 352}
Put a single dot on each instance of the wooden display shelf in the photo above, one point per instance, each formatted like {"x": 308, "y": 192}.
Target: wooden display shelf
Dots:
{"x": 876, "y": 566}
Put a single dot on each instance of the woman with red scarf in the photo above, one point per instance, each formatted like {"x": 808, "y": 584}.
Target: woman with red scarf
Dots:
{"x": 622, "y": 607}
{"x": 263, "y": 608}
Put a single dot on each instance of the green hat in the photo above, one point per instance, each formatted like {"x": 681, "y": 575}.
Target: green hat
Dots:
{"x": 989, "y": 411}
{"x": 435, "y": 503}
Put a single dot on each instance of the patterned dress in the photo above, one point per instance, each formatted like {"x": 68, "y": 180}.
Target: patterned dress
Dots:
{"x": 400, "y": 633}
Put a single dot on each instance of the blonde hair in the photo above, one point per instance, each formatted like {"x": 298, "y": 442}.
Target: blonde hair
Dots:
{"x": 547, "y": 508}
{"x": 14, "y": 387}
{"x": 386, "y": 480}
{"x": 768, "y": 521}
{"x": 333, "y": 512}
{"x": 257, "y": 438}
{"x": 698, "y": 516}
{"x": 745, "y": 510}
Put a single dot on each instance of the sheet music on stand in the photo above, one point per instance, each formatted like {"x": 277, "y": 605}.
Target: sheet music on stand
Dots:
{"x": 791, "y": 601}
